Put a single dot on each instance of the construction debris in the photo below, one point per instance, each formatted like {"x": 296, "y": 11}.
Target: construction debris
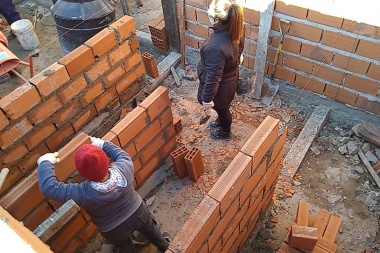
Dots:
{"x": 369, "y": 131}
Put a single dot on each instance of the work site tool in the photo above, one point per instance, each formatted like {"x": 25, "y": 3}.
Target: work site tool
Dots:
{"x": 205, "y": 118}
{"x": 269, "y": 88}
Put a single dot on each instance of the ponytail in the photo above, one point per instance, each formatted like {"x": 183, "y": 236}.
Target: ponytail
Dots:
{"x": 236, "y": 26}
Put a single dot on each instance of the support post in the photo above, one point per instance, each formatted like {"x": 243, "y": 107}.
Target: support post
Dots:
{"x": 171, "y": 23}
{"x": 266, "y": 16}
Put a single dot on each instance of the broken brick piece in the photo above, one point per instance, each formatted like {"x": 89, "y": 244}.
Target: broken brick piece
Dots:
{"x": 178, "y": 157}
{"x": 177, "y": 124}
{"x": 194, "y": 164}
{"x": 303, "y": 237}
{"x": 150, "y": 64}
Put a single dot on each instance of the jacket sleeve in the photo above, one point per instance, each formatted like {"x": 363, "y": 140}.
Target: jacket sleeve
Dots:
{"x": 214, "y": 64}
{"x": 121, "y": 158}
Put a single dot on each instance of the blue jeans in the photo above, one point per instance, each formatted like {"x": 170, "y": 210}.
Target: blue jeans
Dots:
{"x": 8, "y": 10}
{"x": 141, "y": 221}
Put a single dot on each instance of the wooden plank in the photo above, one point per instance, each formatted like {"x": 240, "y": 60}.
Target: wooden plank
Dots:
{"x": 266, "y": 17}
{"x": 309, "y": 132}
{"x": 56, "y": 221}
{"x": 332, "y": 228}
{"x": 302, "y": 218}
{"x": 370, "y": 170}
{"x": 321, "y": 222}
{"x": 176, "y": 78}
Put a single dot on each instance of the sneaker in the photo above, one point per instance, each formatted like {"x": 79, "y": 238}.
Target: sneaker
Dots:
{"x": 214, "y": 124}
{"x": 219, "y": 134}
{"x": 11, "y": 35}
{"x": 139, "y": 239}
{"x": 167, "y": 237}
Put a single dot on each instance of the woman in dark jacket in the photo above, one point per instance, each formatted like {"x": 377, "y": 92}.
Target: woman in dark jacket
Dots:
{"x": 218, "y": 69}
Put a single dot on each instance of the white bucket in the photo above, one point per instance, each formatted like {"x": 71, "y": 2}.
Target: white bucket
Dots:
{"x": 23, "y": 29}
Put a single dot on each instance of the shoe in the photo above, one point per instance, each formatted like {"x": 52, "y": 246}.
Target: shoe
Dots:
{"x": 214, "y": 124}
{"x": 139, "y": 239}
{"x": 167, "y": 237}
{"x": 11, "y": 35}
{"x": 219, "y": 134}
{"x": 5, "y": 77}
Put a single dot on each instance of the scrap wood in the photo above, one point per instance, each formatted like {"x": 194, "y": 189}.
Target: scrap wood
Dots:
{"x": 370, "y": 131}
{"x": 371, "y": 171}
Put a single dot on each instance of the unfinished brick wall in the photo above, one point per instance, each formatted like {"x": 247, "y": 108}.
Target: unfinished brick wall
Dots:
{"x": 332, "y": 56}
{"x": 147, "y": 134}
{"x": 39, "y": 117}
{"x": 226, "y": 216}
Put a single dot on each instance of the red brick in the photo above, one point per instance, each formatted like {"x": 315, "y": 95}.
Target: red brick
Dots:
{"x": 168, "y": 148}
{"x": 3, "y": 120}
{"x": 133, "y": 61}
{"x": 249, "y": 47}
{"x": 137, "y": 165}
{"x": 19, "y": 101}
{"x": 288, "y": 44}
{"x": 326, "y": 245}
{"x": 120, "y": 53}
{"x": 178, "y": 158}
{"x": 97, "y": 70}
{"x": 331, "y": 91}
{"x": 92, "y": 93}
{"x": 197, "y": 30}
{"x": 127, "y": 128}
{"x": 194, "y": 164}
{"x": 156, "y": 102}
{"x": 148, "y": 168}
{"x": 324, "y": 19}
{"x": 50, "y": 79}
{"x": 332, "y": 228}
{"x": 133, "y": 42}
{"x": 303, "y": 237}
{"x": 166, "y": 118}
{"x": 361, "y": 28}
{"x": 38, "y": 215}
{"x": 14, "y": 133}
{"x": 72, "y": 246}
{"x": 45, "y": 110}
{"x": 339, "y": 41}
{"x": 197, "y": 3}
{"x": 367, "y": 49}
{"x": 65, "y": 114}
{"x": 147, "y": 135}
{"x": 88, "y": 114}
{"x": 66, "y": 166}
{"x": 191, "y": 42}
{"x": 140, "y": 72}
{"x": 107, "y": 98}
{"x": 202, "y": 17}
{"x": 251, "y": 32}
{"x": 23, "y": 198}
{"x": 252, "y": 182}
{"x": 302, "y": 213}
{"x": 114, "y": 75}
{"x": 150, "y": 64}
{"x": 352, "y": 64}
{"x": 57, "y": 244}
{"x": 309, "y": 83}
{"x": 131, "y": 150}
{"x": 152, "y": 149}
{"x": 374, "y": 71}
{"x": 284, "y": 74}
{"x": 126, "y": 82}
{"x": 316, "y": 53}
{"x": 111, "y": 137}
{"x": 190, "y": 13}
{"x": 77, "y": 60}
{"x": 346, "y": 96}
{"x": 14, "y": 175}
{"x": 298, "y": 63}
{"x": 229, "y": 237}
{"x": 252, "y": 17}
{"x": 40, "y": 135}
{"x": 62, "y": 135}
{"x": 249, "y": 62}
{"x": 329, "y": 74}
{"x": 306, "y": 32}
{"x": 285, "y": 248}
{"x": 30, "y": 161}
{"x": 73, "y": 89}
{"x": 291, "y": 10}
{"x": 102, "y": 42}
{"x": 368, "y": 105}
{"x": 87, "y": 232}
{"x": 362, "y": 84}
{"x": 124, "y": 26}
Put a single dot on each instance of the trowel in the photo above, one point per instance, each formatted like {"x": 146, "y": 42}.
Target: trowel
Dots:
{"x": 205, "y": 118}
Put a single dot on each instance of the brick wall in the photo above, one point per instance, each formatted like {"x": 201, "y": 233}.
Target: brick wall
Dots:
{"x": 332, "y": 55}
{"x": 226, "y": 216}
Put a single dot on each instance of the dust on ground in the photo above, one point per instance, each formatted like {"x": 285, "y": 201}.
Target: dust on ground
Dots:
{"x": 326, "y": 178}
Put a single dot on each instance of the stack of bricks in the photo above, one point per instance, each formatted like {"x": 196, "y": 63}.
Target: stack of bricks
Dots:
{"x": 188, "y": 162}
{"x": 158, "y": 32}
{"x": 228, "y": 213}
{"x": 311, "y": 234}
{"x": 147, "y": 134}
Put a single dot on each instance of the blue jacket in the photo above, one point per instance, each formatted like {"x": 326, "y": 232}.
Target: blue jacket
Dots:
{"x": 109, "y": 203}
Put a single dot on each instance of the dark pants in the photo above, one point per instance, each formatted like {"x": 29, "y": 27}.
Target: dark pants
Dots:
{"x": 139, "y": 221}
{"x": 224, "y": 118}
{"x": 8, "y": 10}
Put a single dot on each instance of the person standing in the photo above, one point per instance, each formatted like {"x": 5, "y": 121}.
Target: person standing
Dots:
{"x": 107, "y": 194}
{"x": 218, "y": 68}
{"x": 11, "y": 15}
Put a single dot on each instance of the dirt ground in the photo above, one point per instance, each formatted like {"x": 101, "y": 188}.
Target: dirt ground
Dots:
{"x": 326, "y": 179}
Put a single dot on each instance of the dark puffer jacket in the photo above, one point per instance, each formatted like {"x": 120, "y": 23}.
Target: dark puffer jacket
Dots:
{"x": 218, "y": 69}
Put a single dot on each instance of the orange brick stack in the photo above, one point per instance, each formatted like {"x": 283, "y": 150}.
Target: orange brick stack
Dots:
{"x": 312, "y": 234}
{"x": 158, "y": 32}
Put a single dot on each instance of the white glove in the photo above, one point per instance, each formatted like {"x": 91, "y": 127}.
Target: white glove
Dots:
{"x": 97, "y": 142}
{"x": 51, "y": 157}
{"x": 208, "y": 105}
{"x": 241, "y": 59}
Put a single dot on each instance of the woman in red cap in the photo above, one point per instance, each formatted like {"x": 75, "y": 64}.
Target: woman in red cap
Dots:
{"x": 107, "y": 195}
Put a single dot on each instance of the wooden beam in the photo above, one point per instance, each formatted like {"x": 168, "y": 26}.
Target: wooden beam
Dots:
{"x": 370, "y": 170}
{"x": 171, "y": 23}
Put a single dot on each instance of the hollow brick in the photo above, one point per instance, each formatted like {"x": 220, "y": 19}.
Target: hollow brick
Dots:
{"x": 147, "y": 135}
{"x": 156, "y": 102}
{"x": 133, "y": 61}
{"x": 77, "y": 60}
{"x": 202, "y": 17}
{"x": 329, "y": 74}
{"x": 191, "y": 42}
{"x": 105, "y": 99}
{"x": 298, "y": 63}
{"x": 126, "y": 82}
{"x": 306, "y": 32}
{"x": 63, "y": 115}
{"x": 194, "y": 164}
{"x": 361, "y": 28}
{"x": 168, "y": 148}
{"x": 189, "y": 12}
{"x": 351, "y": 64}
{"x": 120, "y": 53}
{"x": 3, "y": 120}
{"x": 367, "y": 49}
{"x": 178, "y": 158}
{"x": 283, "y": 74}
{"x": 153, "y": 148}
{"x": 150, "y": 64}
{"x": 102, "y": 42}
{"x": 114, "y": 75}
{"x": 197, "y": 30}
{"x": 251, "y": 16}
{"x": 331, "y": 91}
{"x": 374, "y": 71}
{"x": 288, "y": 44}
{"x": 166, "y": 118}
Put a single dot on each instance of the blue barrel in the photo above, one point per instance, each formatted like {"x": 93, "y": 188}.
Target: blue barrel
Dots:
{"x": 78, "y": 20}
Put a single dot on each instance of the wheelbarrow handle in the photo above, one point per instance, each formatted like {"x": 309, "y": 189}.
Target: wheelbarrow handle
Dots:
{"x": 285, "y": 21}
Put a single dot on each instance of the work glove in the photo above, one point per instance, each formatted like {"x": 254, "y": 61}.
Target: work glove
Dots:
{"x": 51, "y": 157}
{"x": 97, "y": 142}
{"x": 208, "y": 105}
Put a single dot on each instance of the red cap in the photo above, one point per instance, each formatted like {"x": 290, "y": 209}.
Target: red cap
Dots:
{"x": 91, "y": 162}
